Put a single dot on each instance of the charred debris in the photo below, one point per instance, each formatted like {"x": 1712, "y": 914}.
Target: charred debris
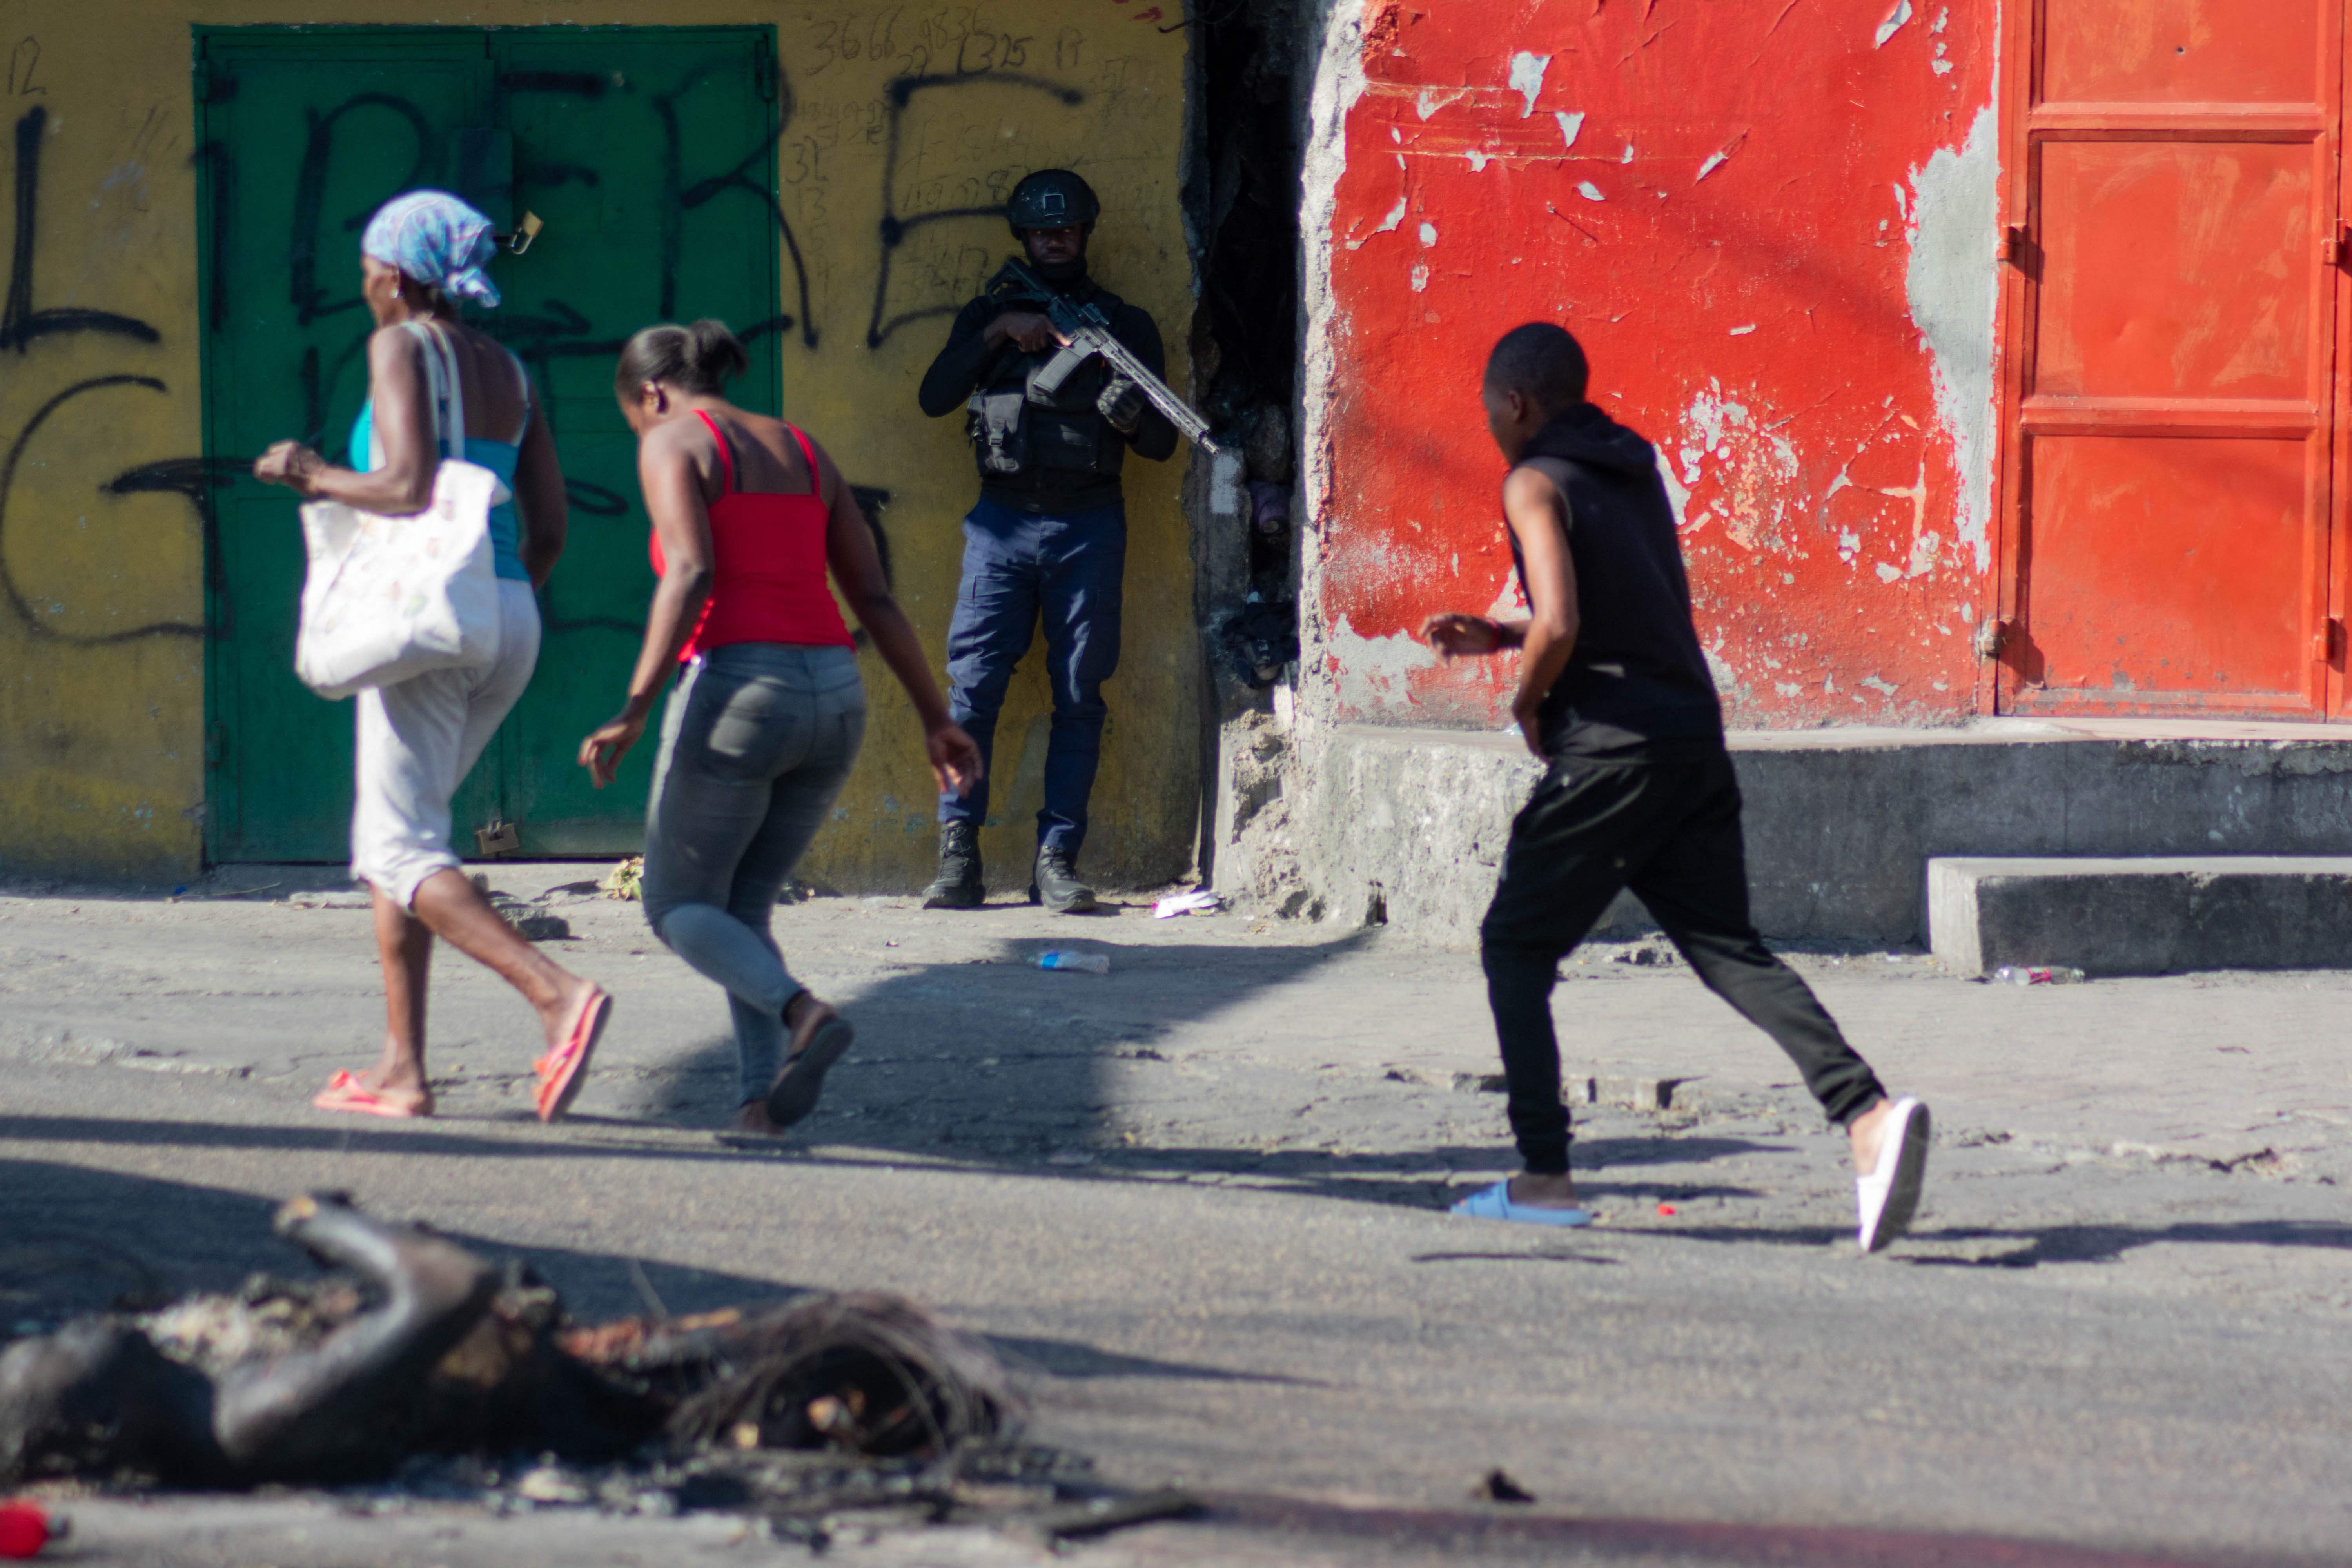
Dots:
{"x": 413, "y": 1370}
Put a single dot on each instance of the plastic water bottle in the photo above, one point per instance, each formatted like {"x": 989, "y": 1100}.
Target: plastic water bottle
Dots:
{"x": 1067, "y": 958}
{"x": 2006, "y": 976}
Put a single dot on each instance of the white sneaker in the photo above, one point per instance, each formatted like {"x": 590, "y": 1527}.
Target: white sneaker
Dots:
{"x": 1889, "y": 1196}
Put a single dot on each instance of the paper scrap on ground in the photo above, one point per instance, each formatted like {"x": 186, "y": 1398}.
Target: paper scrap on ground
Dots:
{"x": 1199, "y": 902}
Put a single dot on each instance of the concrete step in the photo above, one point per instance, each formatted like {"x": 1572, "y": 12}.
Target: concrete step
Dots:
{"x": 2141, "y": 915}
{"x": 1839, "y": 823}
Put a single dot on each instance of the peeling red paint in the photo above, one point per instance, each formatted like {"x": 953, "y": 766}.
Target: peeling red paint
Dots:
{"x": 1719, "y": 200}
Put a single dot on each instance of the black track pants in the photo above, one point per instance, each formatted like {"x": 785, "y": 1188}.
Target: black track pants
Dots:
{"x": 1663, "y": 822}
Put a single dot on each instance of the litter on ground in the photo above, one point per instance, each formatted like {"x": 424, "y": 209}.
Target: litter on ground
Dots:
{"x": 1201, "y": 901}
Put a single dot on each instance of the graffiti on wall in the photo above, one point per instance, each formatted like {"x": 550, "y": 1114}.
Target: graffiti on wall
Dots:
{"x": 895, "y": 137}
{"x": 910, "y": 129}
{"x": 936, "y": 164}
{"x": 934, "y": 56}
{"x": 983, "y": 196}
{"x": 25, "y": 322}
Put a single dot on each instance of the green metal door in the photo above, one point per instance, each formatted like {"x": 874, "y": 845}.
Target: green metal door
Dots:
{"x": 646, "y": 153}
{"x": 649, "y": 153}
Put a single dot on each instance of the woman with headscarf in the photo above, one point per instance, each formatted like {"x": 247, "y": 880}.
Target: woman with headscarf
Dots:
{"x": 422, "y": 253}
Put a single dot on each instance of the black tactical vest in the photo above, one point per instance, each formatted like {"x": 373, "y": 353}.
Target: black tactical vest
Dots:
{"x": 1047, "y": 453}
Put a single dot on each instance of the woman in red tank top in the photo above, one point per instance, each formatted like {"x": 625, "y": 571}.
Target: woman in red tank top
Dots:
{"x": 758, "y": 738}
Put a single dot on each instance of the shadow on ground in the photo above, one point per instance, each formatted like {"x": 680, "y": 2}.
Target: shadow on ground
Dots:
{"x": 997, "y": 1064}
{"x": 83, "y": 1241}
{"x": 2029, "y": 1246}
{"x": 1414, "y": 1178}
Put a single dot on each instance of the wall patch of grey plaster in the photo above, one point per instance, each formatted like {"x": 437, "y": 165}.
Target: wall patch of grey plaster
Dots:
{"x": 1953, "y": 289}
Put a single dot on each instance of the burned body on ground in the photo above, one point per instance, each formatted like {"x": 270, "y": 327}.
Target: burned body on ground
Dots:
{"x": 413, "y": 1347}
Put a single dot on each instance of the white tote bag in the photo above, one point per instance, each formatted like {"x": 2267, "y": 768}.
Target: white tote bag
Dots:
{"x": 391, "y": 597}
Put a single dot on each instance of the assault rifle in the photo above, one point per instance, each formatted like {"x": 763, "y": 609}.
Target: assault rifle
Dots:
{"x": 1085, "y": 332}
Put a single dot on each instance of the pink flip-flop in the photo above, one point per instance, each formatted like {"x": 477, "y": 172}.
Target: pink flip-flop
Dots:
{"x": 346, "y": 1092}
{"x": 561, "y": 1069}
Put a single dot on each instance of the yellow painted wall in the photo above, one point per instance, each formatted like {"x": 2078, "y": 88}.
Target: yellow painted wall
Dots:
{"x": 102, "y": 701}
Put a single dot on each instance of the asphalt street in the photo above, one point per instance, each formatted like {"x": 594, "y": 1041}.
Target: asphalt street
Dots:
{"x": 1198, "y": 1201}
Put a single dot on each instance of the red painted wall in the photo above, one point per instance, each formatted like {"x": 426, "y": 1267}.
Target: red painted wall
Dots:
{"x": 1771, "y": 224}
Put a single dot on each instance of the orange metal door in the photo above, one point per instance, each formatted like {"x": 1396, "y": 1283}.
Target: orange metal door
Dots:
{"x": 2173, "y": 268}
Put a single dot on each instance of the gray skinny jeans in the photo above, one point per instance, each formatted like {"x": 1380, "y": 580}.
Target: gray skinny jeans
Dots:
{"x": 757, "y": 740}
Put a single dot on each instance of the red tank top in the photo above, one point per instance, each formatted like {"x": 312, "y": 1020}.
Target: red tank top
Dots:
{"x": 768, "y": 565}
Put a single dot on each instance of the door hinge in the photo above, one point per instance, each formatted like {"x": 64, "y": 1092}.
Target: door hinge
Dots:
{"x": 763, "y": 69}
{"x": 215, "y": 745}
{"x": 2014, "y": 244}
{"x": 2327, "y": 642}
{"x": 499, "y": 839}
{"x": 2331, "y": 250}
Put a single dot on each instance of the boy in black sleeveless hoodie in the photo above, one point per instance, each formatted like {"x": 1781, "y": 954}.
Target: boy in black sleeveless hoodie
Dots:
{"x": 1615, "y": 697}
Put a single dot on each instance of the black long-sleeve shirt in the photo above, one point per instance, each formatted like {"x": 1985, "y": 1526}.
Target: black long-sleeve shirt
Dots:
{"x": 968, "y": 362}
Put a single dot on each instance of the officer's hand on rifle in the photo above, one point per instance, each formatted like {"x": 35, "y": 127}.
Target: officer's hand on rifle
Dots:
{"x": 1031, "y": 330}
{"x": 1121, "y": 404}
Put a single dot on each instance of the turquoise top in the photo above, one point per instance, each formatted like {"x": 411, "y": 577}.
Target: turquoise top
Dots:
{"x": 499, "y": 456}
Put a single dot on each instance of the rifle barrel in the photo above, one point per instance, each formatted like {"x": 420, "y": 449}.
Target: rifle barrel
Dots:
{"x": 1082, "y": 321}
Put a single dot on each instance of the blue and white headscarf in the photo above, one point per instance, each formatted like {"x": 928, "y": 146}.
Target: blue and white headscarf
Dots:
{"x": 437, "y": 239}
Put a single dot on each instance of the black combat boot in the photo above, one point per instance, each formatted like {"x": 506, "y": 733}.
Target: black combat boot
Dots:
{"x": 958, "y": 885}
{"x": 1056, "y": 884}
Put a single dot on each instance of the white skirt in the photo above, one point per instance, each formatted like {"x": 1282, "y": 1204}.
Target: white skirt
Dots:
{"x": 418, "y": 740}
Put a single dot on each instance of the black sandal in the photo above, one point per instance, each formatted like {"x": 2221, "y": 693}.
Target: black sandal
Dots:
{"x": 794, "y": 1093}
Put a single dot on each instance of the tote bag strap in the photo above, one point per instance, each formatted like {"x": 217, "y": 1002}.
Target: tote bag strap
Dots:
{"x": 446, "y": 390}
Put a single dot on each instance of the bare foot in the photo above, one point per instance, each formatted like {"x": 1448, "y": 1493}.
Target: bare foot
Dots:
{"x": 416, "y": 1100}
{"x": 1866, "y": 1132}
{"x": 365, "y": 1094}
{"x": 1543, "y": 1191}
{"x": 572, "y": 993}
{"x": 752, "y": 1117}
{"x": 398, "y": 1080}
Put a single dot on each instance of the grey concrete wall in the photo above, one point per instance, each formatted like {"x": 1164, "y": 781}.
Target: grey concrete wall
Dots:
{"x": 1411, "y": 821}
{"x": 1841, "y": 823}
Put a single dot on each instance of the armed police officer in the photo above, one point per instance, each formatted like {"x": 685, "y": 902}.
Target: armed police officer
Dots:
{"x": 1047, "y": 540}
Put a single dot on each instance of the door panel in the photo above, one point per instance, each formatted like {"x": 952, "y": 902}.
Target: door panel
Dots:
{"x": 623, "y": 140}
{"x": 2184, "y": 51}
{"x": 2170, "y": 390}
{"x": 2193, "y": 605}
{"x": 2136, "y": 234}
{"x": 645, "y": 152}
{"x": 305, "y": 143}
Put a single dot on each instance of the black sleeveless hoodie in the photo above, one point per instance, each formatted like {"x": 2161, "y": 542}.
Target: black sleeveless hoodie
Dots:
{"x": 1637, "y": 674}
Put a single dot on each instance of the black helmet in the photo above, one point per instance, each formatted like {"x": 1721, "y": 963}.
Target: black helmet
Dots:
{"x": 1051, "y": 198}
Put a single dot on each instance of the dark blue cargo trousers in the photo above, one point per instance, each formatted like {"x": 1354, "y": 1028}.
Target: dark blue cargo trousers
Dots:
{"x": 1019, "y": 570}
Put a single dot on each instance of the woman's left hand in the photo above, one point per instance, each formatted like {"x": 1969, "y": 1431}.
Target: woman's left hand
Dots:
{"x": 602, "y": 751}
{"x": 954, "y": 757}
{"x": 288, "y": 463}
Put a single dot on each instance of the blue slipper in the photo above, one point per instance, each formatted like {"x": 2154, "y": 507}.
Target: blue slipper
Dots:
{"x": 1495, "y": 1203}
